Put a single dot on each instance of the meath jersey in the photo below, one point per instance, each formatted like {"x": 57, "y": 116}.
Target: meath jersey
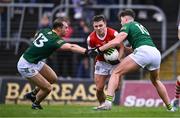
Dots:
{"x": 44, "y": 44}
{"x": 137, "y": 34}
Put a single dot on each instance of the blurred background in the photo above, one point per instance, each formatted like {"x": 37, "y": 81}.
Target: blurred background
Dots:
{"x": 21, "y": 19}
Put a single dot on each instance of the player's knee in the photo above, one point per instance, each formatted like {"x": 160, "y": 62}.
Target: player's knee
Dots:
{"x": 118, "y": 88}
{"x": 48, "y": 88}
{"x": 116, "y": 74}
{"x": 54, "y": 79}
{"x": 155, "y": 82}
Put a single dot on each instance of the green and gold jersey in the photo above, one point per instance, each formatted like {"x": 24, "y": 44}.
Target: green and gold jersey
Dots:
{"x": 45, "y": 43}
{"x": 137, "y": 34}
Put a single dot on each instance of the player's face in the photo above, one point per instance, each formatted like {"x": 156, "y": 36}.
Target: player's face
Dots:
{"x": 99, "y": 27}
{"x": 123, "y": 20}
{"x": 64, "y": 29}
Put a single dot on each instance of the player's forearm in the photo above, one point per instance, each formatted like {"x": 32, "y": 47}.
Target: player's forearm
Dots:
{"x": 121, "y": 51}
{"x": 113, "y": 43}
{"x": 77, "y": 49}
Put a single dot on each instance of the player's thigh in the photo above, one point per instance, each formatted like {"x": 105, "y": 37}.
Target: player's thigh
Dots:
{"x": 48, "y": 73}
{"x": 127, "y": 65}
{"x": 40, "y": 81}
{"x": 100, "y": 81}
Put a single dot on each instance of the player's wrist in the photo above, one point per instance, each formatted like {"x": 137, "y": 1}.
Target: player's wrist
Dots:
{"x": 99, "y": 51}
{"x": 86, "y": 52}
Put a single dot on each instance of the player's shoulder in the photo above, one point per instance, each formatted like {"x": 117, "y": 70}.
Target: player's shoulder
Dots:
{"x": 109, "y": 29}
{"x": 111, "y": 32}
{"x": 45, "y": 30}
{"x": 128, "y": 25}
{"x": 92, "y": 35}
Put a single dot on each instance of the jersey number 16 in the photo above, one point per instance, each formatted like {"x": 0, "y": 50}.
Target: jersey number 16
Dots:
{"x": 143, "y": 29}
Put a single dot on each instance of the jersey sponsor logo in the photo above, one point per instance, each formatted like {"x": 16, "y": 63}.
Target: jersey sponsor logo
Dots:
{"x": 60, "y": 41}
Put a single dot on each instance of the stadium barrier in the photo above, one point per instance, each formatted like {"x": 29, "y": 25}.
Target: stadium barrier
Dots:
{"x": 143, "y": 94}
{"x": 75, "y": 91}
{"x": 107, "y": 9}
{"x": 13, "y": 89}
{"x": 132, "y": 94}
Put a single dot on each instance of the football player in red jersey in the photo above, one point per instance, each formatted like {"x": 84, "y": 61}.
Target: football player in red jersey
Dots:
{"x": 100, "y": 36}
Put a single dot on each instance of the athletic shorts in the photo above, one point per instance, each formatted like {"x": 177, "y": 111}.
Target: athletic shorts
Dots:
{"x": 103, "y": 68}
{"x": 27, "y": 69}
{"x": 147, "y": 56}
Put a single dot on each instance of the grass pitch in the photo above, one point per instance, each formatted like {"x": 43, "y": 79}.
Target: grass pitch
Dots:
{"x": 84, "y": 111}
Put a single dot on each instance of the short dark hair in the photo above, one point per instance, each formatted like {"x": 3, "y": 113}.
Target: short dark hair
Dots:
{"x": 58, "y": 23}
{"x": 98, "y": 18}
{"x": 127, "y": 12}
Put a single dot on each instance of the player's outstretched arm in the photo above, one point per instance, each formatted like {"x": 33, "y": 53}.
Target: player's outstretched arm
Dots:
{"x": 73, "y": 48}
{"x": 115, "y": 42}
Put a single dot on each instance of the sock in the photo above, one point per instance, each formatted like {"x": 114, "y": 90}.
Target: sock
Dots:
{"x": 36, "y": 102}
{"x": 177, "y": 92}
{"x": 169, "y": 106}
{"x": 35, "y": 91}
{"x": 109, "y": 98}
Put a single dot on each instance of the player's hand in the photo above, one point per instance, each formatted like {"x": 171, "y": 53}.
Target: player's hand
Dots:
{"x": 91, "y": 52}
{"x": 99, "y": 52}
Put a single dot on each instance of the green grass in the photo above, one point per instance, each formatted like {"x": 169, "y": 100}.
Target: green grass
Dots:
{"x": 84, "y": 111}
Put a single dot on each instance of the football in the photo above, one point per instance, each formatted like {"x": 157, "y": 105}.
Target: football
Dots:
{"x": 111, "y": 56}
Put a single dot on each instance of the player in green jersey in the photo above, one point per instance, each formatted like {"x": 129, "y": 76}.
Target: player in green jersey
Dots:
{"x": 31, "y": 66}
{"x": 145, "y": 54}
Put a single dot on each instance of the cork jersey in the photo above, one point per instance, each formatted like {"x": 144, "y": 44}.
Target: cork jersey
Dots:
{"x": 137, "y": 34}
{"x": 94, "y": 40}
{"x": 45, "y": 43}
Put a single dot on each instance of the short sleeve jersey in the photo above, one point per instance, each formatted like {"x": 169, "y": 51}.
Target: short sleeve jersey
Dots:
{"x": 137, "y": 35}
{"x": 94, "y": 40}
{"x": 45, "y": 43}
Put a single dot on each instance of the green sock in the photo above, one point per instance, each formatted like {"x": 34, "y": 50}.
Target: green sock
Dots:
{"x": 109, "y": 98}
{"x": 169, "y": 106}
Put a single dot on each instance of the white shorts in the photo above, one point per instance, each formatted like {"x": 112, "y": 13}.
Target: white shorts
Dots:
{"x": 147, "y": 56}
{"x": 103, "y": 68}
{"x": 27, "y": 69}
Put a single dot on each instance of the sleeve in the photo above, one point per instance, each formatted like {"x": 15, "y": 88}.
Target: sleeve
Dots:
{"x": 115, "y": 33}
{"x": 125, "y": 28}
{"x": 59, "y": 43}
{"x": 179, "y": 26}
